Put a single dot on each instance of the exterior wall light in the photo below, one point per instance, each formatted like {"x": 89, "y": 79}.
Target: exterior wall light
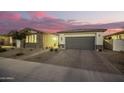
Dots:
{"x": 54, "y": 38}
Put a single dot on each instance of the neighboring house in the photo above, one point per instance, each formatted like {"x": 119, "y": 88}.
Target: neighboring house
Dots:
{"x": 36, "y": 39}
{"x": 85, "y": 39}
{"x": 5, "y": 41}
{"x": 115, "y": 41}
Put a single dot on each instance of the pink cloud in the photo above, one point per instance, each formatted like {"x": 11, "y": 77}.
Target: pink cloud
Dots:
{"x": 50, "y": 25}
{"x": 39, "y": 15}
{"x": 16, "y": 16}
{"x": 10, "y": 16}
{"x": 44, "y": 24}
{"x": 39, "y": 20}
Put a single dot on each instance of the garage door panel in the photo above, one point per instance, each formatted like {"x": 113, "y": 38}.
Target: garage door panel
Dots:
{"x": 85, "y": 43}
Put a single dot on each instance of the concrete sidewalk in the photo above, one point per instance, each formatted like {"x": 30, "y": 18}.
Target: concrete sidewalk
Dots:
{"x": 18, "y": 70}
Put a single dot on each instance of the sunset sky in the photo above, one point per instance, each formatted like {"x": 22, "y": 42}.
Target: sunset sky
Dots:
{"x": 52, "y": 21}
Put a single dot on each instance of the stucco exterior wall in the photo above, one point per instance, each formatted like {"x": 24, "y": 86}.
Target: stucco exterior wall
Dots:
{"x": 118, "y": 45}
{"x": 98, "y": 37}
{"x": 50, "y": 40}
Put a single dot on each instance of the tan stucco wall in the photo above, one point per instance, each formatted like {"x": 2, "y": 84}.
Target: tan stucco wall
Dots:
{"x": 50, "y": 40}
{"x": 118, "y": 45}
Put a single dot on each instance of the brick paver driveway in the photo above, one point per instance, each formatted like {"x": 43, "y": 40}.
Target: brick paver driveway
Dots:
{"x": 82, "y": 59}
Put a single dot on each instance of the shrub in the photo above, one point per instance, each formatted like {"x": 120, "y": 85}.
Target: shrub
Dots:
{"x": 3, "y": 49}
{"x": 12, "y": 48}
{"x": 56, "y": 50}
{"x": 46, "y": 47}
{"x": 100, "y": 50}
{"x": 31, "y": 49}
{"x": 51, "y": 49}
{"x": 19, "y": 54}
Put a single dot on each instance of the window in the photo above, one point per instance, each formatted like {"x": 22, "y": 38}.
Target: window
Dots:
{"x": 122, "y": 36}
{"x": 11, "y": 40}
{"x": 31, "y": 39}
{"x": 115, "y": 37}
{"x": 27, "y": 39}
{"x": 35, "y": 39}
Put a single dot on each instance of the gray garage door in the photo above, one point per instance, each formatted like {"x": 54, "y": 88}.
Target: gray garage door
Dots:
{"x": 85, "y": 43}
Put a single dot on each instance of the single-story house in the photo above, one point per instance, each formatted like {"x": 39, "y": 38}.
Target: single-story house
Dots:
{"x": 115, "y": 41}
{"x": 34, "y": 39}
{"x": 85, "y": 39}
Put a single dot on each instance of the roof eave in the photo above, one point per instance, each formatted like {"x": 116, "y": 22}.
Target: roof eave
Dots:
{"x": 122, "y": 32}
{"x": 85, "y": 30}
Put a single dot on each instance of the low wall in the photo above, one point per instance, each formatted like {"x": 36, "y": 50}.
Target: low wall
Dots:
{"x": 118, "y": 45}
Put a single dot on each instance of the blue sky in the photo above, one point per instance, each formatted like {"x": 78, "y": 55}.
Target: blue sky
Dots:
{"x": 90, "y": 16}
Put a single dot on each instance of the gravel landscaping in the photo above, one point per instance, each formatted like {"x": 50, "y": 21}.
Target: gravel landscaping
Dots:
{"x": 17, "y": 53}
